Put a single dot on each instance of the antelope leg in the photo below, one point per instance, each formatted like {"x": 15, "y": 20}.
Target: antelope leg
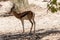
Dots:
{"x": 31, "y": 26}
{"x": 22, "y": 21}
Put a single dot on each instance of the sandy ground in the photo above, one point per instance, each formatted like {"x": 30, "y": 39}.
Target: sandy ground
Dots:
{"x": 52, "y": 37}
{"x": 43, "y": 20}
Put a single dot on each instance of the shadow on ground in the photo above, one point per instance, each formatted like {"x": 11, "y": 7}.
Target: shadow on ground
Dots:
{"x": 29, "y": 36}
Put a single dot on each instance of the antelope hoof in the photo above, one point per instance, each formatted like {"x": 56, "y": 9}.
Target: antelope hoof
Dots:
{"x": 34, "y": 31}
{"x": 23, "y": 32}
{"x": 30, "y": 33}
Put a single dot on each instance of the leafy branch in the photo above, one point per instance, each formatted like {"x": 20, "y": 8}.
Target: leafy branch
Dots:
{"x": 53, "y": 6}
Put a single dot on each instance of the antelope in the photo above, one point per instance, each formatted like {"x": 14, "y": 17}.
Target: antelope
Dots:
{"x": 27, "y": 15}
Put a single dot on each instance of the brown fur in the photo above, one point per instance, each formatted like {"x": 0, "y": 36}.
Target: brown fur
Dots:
{"x": 27, "y": 15}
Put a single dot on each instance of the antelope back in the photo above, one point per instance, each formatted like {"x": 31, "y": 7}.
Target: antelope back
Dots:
{"x": 27, "y": 15}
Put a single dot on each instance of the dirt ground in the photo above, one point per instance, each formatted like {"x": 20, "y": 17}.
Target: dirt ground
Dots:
{"x": 44, "y": 20}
